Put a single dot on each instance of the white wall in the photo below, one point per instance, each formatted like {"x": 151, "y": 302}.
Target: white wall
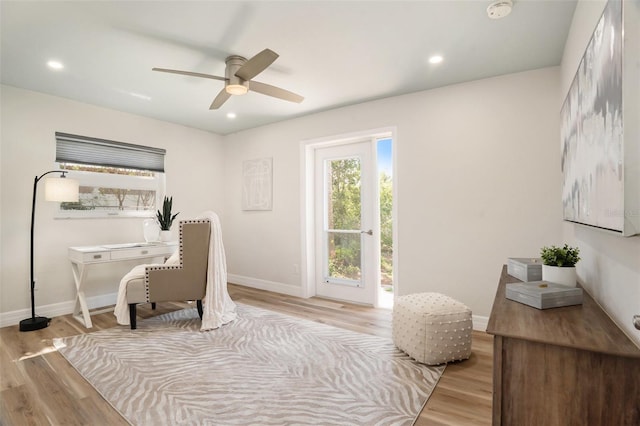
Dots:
{"x": 610, "y": 265}
{"x": 194, "y": 167}
{"x": 478, "y": 173}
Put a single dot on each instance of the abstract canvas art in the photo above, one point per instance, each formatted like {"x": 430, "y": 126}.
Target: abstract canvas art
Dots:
{"x": 592, "y": 139}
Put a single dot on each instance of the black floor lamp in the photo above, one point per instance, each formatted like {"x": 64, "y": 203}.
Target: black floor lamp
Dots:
{"x": 56, "y": 189}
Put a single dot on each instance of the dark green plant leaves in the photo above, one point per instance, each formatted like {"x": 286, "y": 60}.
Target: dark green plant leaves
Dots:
{"x": 165, "y": 218}
{"x": 557, "y": 256}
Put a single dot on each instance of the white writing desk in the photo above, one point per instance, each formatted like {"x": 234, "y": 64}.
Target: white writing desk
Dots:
{"x": 81, "y": 257}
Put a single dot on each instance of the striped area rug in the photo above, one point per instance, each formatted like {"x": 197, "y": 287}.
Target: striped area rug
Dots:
{"x": 265, "y": 368}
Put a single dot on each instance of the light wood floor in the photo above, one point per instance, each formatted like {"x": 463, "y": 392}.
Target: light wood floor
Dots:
{"x": 39, "y": 387}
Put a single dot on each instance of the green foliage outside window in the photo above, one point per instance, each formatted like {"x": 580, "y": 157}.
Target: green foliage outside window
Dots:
{"x": 344, "y": 213}
{"x": 386, "y": 229}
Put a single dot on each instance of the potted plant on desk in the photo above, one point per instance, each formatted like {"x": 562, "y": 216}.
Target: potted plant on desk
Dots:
{"x": 559, "y": 264}
{"x": 165, "y": 219}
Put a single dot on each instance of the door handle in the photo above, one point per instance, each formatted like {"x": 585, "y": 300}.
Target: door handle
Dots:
{"x": 370, "y": 232}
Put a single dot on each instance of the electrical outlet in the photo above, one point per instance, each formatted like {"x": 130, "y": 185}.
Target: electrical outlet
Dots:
{"x": 296, "y": 268}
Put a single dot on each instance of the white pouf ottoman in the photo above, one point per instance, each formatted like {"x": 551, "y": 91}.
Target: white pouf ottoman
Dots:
{"x": 432, "y": 328}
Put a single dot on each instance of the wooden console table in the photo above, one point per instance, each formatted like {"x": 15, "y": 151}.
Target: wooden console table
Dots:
{"x": 561, "y": 366}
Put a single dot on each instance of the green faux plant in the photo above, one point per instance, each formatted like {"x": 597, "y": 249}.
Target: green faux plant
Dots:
{"x": 563, "y": 257}
{"x": 165, "y": 219}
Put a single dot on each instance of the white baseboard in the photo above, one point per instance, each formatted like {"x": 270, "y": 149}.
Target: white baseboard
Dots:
{"x": 276, "y": 287}
{"x": 480, "y": 322}
{"x": 64, "y": 308}
{"x": 55, "y": 309}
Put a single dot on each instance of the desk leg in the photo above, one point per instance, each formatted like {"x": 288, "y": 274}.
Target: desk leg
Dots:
{"x": 80, "y": 307}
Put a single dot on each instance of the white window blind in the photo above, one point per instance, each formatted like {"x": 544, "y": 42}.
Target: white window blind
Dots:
{"x": 86, "y": 150}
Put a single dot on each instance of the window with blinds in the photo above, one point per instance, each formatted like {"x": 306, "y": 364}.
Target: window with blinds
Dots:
{"x": 116, "y": 178}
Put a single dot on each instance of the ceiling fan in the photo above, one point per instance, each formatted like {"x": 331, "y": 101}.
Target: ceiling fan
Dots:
{"x": 238, "y": 76}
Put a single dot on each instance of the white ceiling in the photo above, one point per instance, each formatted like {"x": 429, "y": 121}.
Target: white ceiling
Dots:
{"x": 334, "y": 53}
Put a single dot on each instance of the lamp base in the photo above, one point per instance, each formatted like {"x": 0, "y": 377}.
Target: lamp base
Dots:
{"x": 32, "y": 324}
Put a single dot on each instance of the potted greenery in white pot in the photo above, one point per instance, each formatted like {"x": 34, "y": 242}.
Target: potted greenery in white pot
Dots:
{"x": 559, "y": 264}
{"x": 165, "y": 219}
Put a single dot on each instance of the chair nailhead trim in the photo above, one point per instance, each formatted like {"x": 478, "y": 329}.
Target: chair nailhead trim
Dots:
{"x": 163, "y": 267}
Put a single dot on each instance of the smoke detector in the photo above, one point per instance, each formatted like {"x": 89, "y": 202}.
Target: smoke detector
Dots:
{"x": 499, "y": 9}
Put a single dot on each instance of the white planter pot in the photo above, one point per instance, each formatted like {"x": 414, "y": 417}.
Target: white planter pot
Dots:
{"x": 560, "y": 275}
{"x": 165, "y": 236}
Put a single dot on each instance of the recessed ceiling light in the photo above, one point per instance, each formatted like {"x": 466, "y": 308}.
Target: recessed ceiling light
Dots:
{"x": 435, "y": 59}
{"x": 231, "y": 115}
{"x": 56, "y": 65}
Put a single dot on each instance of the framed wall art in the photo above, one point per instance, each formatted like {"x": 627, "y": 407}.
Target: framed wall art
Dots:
{"x": 257, "y": 184}
{"x": 600, "y": 137}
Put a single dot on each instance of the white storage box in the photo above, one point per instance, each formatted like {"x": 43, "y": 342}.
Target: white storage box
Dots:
{"x": 544, "y": 295}
{"x": 525, "y": 269}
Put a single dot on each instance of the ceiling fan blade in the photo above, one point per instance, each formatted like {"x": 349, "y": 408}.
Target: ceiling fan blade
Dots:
{"x": 257, "y": 64}
{"x": 189, "y": 73}
{"x": 220, "y": 99}
{"x": 276, "y": 92}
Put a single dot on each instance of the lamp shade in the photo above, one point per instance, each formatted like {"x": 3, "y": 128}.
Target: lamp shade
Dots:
{"x": 61, "y": 189}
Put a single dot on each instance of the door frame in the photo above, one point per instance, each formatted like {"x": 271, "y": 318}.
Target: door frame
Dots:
{"x": 308, "y": 204}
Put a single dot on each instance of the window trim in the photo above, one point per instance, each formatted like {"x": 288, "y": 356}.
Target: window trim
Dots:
{"x": 84, "y": 150}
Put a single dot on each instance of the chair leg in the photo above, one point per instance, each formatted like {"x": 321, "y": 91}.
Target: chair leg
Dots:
{"x": 153, "y": 305}
{"x": 132, "y": 315}
{"x": 199, "y": 305}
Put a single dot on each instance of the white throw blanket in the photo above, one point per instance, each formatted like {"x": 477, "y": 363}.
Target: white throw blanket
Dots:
{"x": 218, "y": 308}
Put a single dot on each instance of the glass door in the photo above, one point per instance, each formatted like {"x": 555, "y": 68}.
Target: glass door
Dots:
{"x": 345, "y": 220}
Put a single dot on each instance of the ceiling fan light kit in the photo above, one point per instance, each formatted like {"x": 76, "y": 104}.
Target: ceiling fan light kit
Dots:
{"x": 499, "y": 9}
{"x": 236, "y": 89}
{"x": 235, "y": 85}
{"x": 238, "y": 76}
